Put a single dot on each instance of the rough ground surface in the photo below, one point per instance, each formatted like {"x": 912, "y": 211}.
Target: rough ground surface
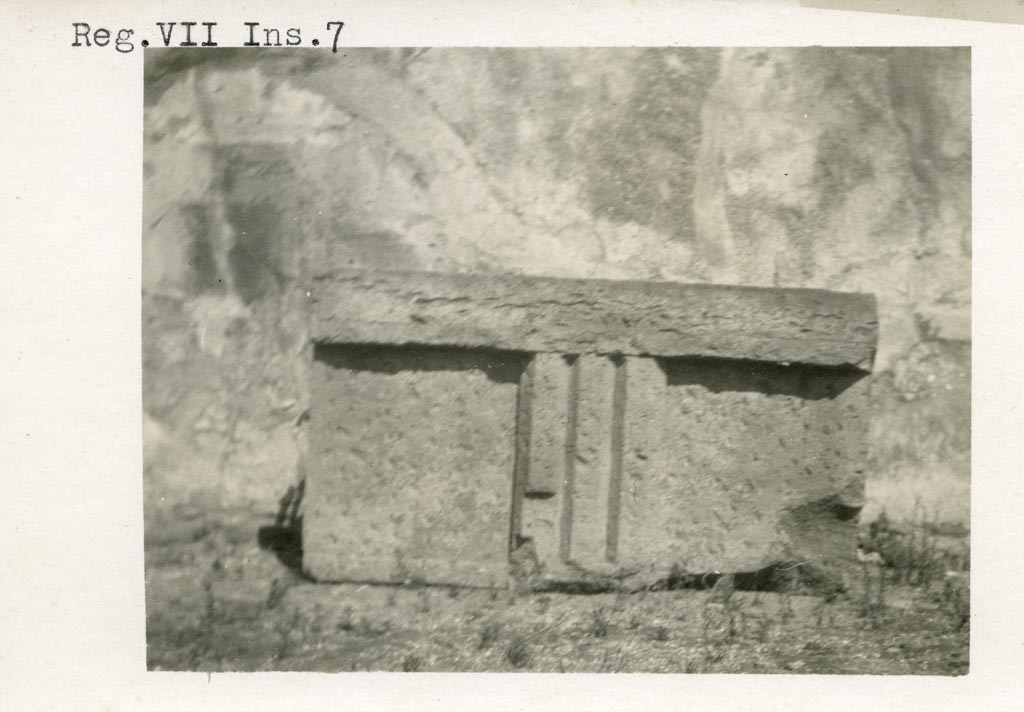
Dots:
{"x": 217, "y": 602}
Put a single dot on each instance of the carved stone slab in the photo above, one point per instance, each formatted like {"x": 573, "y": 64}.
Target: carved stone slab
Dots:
{"x": 580, "y": 429}
{"x": 537, "y": 314}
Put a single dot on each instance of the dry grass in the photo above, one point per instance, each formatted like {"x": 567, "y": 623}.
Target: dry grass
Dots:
{"x": 518, "y": 653}
{"x": 228, "y": 606}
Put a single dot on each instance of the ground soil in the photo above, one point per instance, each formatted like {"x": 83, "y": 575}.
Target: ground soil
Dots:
{"x": 217, "y": 601}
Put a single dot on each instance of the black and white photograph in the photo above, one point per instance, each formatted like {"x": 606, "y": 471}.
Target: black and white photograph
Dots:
{"x": 557, "y": 359}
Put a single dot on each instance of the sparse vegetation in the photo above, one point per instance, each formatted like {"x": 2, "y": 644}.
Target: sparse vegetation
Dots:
{"x": 518, "y": 653}
{"x": 488, "y": 635}
{"x": 910, "y": 615}
{"x": 599, "y": 622}
{"x": 956, "y": 598}
{"x": 287, "y": 630}
{"x": 347, "y": 622}
{"x": 543, "y": 604}
{"x": 278, "y": 588}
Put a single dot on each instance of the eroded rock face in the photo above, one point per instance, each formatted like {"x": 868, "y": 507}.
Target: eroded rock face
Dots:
{"x": 838, "y": 169}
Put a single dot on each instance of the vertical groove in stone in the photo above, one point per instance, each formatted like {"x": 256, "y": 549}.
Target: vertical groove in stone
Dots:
{"x": 521, "y": 468}
{"x": 615, "y": 471}
{"x": 569, "y": 480}
{"x": 541, "y": 486}
{"x": 546, "y": 467}
{"x": 592, "y": 466}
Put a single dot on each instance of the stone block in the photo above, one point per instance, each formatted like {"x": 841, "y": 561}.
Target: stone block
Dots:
{"x": 410, "y": 462}
{"x": 479, "y": 435}
{"x": 574, "y": 316}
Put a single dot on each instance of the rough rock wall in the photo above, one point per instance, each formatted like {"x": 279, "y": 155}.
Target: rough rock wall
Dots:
{"x": 843, "y": 169}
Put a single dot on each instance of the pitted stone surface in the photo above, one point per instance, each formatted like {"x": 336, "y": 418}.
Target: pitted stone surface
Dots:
{"x": 646, "y": 436}
{"x": 410, "y": 460}
{"x": 595, "y": 316}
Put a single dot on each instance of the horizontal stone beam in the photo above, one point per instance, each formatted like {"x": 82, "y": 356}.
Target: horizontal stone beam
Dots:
{"x": 548, "y": 315}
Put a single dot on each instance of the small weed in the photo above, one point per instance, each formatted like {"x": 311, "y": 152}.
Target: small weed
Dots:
{"x": 285, "y": 628}
{"x": 758, "y": 619}
{"x": 679, "y": 578}
{"x": 315, "y": 624}
{"x": 543, "y": 604}
{"x": 956, "y": 599}
{"x": 660, "y": 634}
{"x": 453, "y": 592}
{"x": 823, "y": 614}
{"x": 366, "y": 627}
{"x": 278, "y": 588}
{"x": 605, "y": 664}
{"x": 763, "y": 629}
{"x": 202, "y": 641}
{"x": 209, "y": 604}
{"x": 912, "y": 551}
{"x": 518, "y": 653}
{"x": 872, "y": 605}
{"x": 786, "y": 612}
{"x": 619, "y": 603}
{"x": 412, "y": 663}
{"x": 347, "y": 622}
{"x": 722, "y": 620}
{"x": 488, "y": 635}
{"x": 201, "y": 532}
{"x": 599, "y": 622}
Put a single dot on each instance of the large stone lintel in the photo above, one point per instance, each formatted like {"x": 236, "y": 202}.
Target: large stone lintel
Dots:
{"x": 548, "y": 315}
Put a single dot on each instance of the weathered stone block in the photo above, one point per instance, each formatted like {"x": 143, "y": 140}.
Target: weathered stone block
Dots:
{"x": 462, "y": 423}
{"x": 537, "y": 314}
{"x": 411, "y": 455}
{"x": 742, "y": 445}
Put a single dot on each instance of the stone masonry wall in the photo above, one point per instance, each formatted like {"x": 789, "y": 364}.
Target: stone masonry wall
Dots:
{"x": 843, "y": 169}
